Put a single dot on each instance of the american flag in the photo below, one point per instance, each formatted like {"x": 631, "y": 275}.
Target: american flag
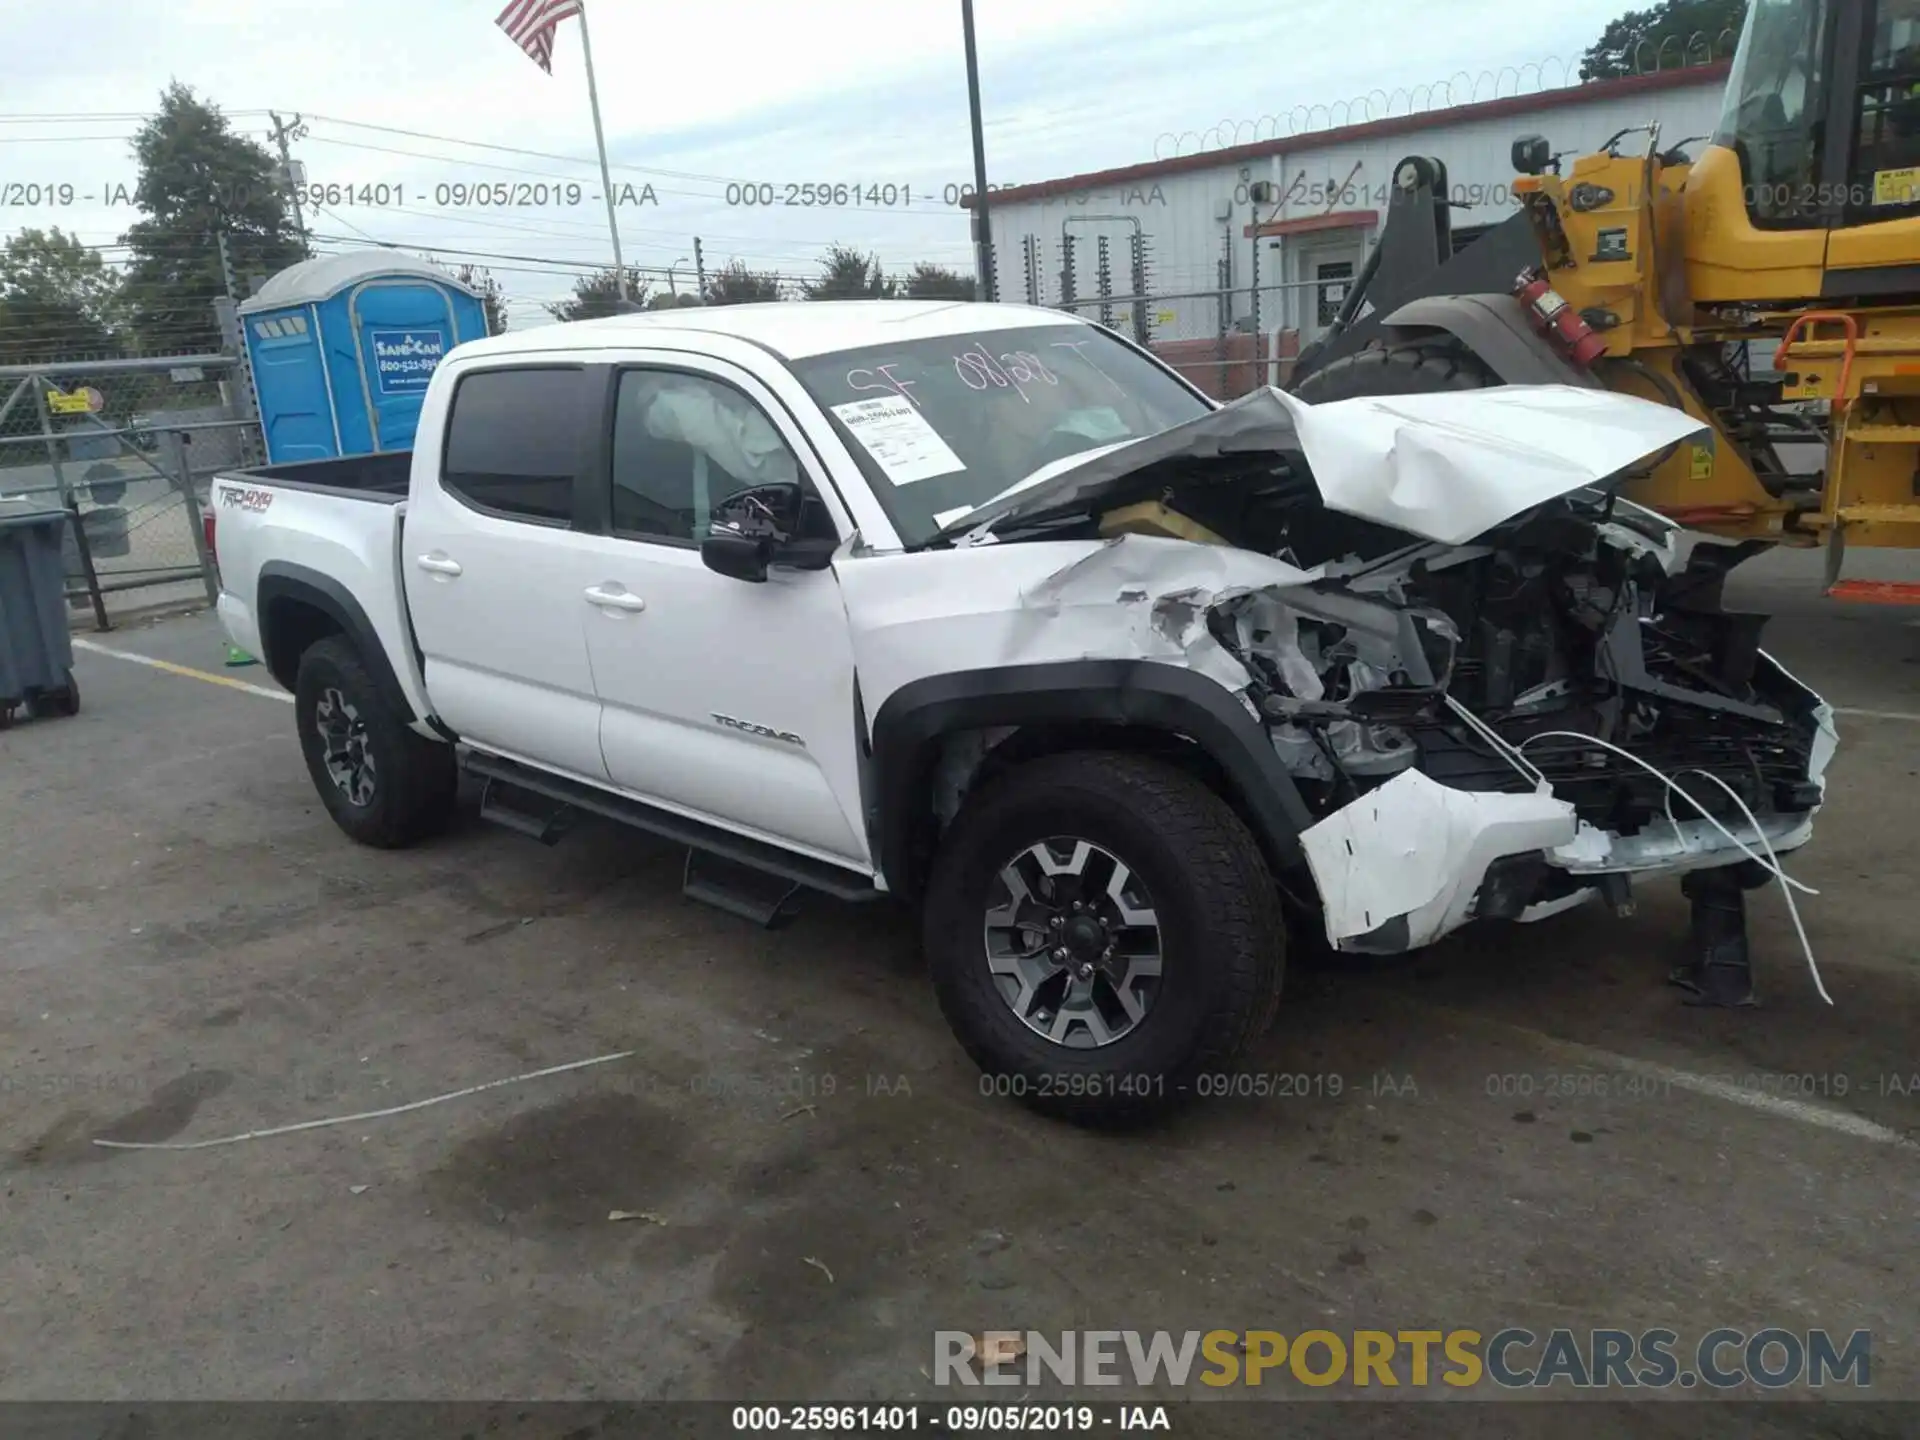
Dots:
{"x": 530, "y": 24}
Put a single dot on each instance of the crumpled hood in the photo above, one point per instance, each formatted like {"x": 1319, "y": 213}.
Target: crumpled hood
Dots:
{"x": 1444, "y": 467}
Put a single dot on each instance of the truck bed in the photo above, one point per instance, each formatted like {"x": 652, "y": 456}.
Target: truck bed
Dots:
{"x": 382, "y": 477}
{"x": 323, "y": 533}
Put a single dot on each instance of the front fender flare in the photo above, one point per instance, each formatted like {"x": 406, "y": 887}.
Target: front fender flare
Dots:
{"x": 914, "y": 720}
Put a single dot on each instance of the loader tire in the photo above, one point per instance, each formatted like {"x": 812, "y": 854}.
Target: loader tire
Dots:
{"x": 1424, "y": 367}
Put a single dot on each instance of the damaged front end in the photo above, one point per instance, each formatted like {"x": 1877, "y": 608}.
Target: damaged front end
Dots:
{"x": 1504, "y": 730}
{"x": 1494, "y": 685}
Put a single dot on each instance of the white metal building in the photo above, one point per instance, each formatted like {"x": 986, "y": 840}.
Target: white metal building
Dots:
{"x": 1210, "y": 250}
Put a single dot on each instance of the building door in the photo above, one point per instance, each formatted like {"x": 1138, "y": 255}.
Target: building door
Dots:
{"x": 1325, "y": 275}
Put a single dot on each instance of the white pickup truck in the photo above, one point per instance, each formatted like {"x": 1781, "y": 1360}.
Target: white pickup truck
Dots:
{"x": 983, "y": 608}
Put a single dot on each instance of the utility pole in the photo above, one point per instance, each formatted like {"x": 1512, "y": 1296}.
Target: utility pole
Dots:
{"x": 246, "y": 405}
{"x": 700, "y": 269}
{"x": 283, "y": 134}
{"x": 982, "y": 233}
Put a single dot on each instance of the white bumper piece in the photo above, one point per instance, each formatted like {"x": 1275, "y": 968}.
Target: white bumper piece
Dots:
{"x": 1419, "y": 849}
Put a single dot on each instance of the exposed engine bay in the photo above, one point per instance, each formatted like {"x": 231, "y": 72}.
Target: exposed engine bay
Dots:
{"x": 1563, "y": 626}
{"x": 1492, "y": 724}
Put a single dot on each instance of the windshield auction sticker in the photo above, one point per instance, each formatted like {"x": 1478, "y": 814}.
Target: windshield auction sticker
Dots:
{"x": 901, "y": 442}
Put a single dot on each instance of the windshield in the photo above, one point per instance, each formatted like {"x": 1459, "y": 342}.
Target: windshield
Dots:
{"x": 1773, "y": 110}
{"x": 943, "y": 425}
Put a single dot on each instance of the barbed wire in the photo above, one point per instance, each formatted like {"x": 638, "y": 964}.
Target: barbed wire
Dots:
{"x": 1534, "y": 77}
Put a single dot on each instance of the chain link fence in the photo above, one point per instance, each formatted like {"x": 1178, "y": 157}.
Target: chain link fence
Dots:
{"x": 128, "y": 447}
{"x": 1227, "y": 342}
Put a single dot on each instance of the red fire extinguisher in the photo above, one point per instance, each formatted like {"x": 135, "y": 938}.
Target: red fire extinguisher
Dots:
{"x": 1557, "y": 320}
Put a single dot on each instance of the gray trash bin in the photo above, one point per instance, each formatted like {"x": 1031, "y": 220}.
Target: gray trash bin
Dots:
{"x": 36, "y": 651}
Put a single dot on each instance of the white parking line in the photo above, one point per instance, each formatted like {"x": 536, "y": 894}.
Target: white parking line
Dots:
{"x": 1841, "y": 1122}
{"x": 1877, "y": 715}
{"x": 94, "y": 647}
{"x": 1822, "y": 1117}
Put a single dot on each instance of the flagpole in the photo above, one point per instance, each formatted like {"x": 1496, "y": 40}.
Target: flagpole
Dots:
{"x": 600, "y": 139}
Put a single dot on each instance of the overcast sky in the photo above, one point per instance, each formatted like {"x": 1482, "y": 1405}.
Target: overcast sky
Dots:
{"x": 698, "y": 98}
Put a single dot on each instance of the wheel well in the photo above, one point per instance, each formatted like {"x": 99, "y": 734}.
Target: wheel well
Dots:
{"x": 289, "y": 629}
{"x": 964, "y": 760}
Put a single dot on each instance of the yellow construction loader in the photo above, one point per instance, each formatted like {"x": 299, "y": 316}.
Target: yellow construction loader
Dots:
{"x": 1771, "y": 287}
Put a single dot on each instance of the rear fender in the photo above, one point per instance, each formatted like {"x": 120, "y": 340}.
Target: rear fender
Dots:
{"x": 286, "y": 587}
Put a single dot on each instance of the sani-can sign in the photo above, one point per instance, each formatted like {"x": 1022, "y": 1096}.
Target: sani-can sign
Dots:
{"x": 404, "y": 360}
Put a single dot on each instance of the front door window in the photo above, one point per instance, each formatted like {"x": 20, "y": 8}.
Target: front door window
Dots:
{"x": 1775, "y": 100}
{"x": 1886, "y": 154}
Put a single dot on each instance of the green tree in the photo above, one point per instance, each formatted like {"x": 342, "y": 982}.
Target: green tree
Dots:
{"x": 737, "y": 285}
{"x": 476, "y": 277}
{"x": 1664, "y": 36}
{"x": 846, "y": 274}
{"x": 598, "y": 294}
{"x": 667, "y": 300}
{"x": 936, "y": 282}
{"x": 198, "y": 182}
{"x": 58, "y": 300}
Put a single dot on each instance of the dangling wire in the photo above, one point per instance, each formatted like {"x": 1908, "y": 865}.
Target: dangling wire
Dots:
{"x": 1770, "y": 863}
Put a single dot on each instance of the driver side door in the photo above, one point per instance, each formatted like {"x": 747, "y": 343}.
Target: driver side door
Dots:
{"x": 723, "y": 699}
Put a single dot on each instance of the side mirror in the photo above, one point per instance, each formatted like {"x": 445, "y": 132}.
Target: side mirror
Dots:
{"x": 805, "y": 554}
{"x": 738, "y": 557}
{"x": 1532, "y": 154}
{"x": 761, "y": 526}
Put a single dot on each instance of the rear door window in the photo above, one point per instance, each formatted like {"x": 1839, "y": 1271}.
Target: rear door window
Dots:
{"x": 513, "y": 441}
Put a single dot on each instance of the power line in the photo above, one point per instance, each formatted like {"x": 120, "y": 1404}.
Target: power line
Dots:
{"x": 97, "y": 139}
{"x": 53, "y": 117}
{"x": 720, "y": 198}
{"x": 518, "y": 150}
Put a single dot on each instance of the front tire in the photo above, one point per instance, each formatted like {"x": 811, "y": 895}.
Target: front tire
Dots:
{"x": 382, "y": 784}
{"x": 1160, "y": 901}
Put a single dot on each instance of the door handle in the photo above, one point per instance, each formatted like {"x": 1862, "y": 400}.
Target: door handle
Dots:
{"x": 438, "y": 565}
{"x": 614, "y": 599}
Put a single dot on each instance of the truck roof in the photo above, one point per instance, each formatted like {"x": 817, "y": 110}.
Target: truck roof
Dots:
{"x": 794, "y": 329}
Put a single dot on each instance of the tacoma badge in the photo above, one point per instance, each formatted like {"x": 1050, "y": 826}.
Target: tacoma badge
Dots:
{"x": 752, "y": 729}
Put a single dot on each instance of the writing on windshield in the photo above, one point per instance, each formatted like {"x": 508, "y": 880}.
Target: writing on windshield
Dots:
{"x": 979, "y": 369}
{"x": 984, "y": 410}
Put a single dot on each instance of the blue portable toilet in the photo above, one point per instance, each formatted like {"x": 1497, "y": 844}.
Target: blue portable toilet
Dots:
{"x": 342, "y": 347}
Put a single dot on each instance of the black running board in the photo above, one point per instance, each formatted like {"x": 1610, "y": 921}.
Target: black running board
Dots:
{"x": 769, "y": 901}
{"x": 770, "y": 860}
{"x": 505, "y": 803}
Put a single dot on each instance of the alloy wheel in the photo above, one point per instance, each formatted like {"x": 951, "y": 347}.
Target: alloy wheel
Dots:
{"x": 349, "y": 759}
{"x": 1073, "y": 942}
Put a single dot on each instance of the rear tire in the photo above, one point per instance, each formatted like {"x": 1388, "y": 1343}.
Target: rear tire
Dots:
{"x": 1422, "y": 367}
{"x": 64, "y": 702}
{"x": 1159, "y": 844}
{"x": 382, "y": 784}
